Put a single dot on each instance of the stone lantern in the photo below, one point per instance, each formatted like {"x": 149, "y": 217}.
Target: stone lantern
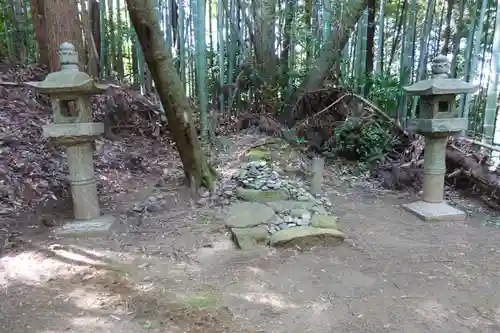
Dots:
{"x": 69, "y": 90}
{"x": 438, "y": 119}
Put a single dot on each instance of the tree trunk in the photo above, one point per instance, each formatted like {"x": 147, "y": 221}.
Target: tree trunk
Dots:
{"x": 169, "y": 87}
{"x": 62, "y": 19}
{"x": 39, "y": 25}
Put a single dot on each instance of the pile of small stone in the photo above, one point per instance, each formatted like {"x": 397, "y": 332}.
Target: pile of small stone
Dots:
{"x": 260, "y": 175}
{"x": 294, "y": 218}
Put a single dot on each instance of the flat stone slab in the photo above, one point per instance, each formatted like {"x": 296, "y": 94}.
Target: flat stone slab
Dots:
{"x": 429, "y": 211}
{"x": 261, "y": 196}
{"x": 288, "y": 205}
{"x": 324, "y": 221}
{"x": 248, "y": 214}
{"x": 306, "y": 237}
{"x": 96, "y": 226}
{"x": 247, "y": 238}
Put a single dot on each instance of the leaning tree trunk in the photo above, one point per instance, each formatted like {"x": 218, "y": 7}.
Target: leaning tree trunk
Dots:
{"x": 169, "y": 87}
{"x": 330, "y": 52}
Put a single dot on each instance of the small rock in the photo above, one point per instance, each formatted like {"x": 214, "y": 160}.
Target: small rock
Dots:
{"x": 274, "y": 185}
{"x": 298, "y": 212}
{"x": 154, "y": 207}
{"x": 203, "y": 192}
{"x": 303, "y": 198}
{"x": 319, "y": 210}
{"x": 306, "y": 216}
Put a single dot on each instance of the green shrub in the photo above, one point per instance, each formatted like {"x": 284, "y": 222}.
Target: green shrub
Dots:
{"x": 363, "y": 140}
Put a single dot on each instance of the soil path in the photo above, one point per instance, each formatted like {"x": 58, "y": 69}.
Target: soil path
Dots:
{"x": 179, "y": 272}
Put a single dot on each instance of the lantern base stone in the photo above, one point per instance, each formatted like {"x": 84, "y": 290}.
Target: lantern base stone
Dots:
{"x": 96, "y": 226}
{"x": 430, "y": 211}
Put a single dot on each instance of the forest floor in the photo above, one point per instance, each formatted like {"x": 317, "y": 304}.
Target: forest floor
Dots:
{"x": 178, "y": 271}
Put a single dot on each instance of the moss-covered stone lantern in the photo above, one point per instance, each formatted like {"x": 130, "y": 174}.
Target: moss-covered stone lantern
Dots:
{"x": 438, "y": 119}
{"x": 69, "y": 90}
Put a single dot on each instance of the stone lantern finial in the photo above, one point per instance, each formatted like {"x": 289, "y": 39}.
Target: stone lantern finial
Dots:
{"x": 68, "y": 57}
{"x": 440, "y": 67}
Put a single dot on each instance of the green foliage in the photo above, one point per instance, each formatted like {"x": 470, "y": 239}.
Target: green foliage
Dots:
{"x": 363, "y": 140}
{"x": 385, "y": 92}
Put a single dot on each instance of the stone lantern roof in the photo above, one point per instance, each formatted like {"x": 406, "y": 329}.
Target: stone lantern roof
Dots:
{"x": 69, "y": 80}
{"x": 440, "y": 83}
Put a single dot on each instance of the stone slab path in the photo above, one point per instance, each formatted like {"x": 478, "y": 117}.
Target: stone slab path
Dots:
{"x": 278, "y": 211}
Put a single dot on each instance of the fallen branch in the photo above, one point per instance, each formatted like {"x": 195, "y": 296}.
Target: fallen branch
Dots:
{"x": 305, "y": 121}
{"x": 481, "y": 144}
{"x": 381, "y": 113}
{"x": 12, "y": 84}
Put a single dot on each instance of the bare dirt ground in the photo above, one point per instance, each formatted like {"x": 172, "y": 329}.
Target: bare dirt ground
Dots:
{"x": 178, "y": 271}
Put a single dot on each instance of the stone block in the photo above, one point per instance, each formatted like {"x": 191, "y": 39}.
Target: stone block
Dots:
{"x": 261, "y": 196}
{"x": 287, "y": 205}
{"x": 305, "y": 236}
{"x": 428, "y": 211}
{"x": 248, "y": 214}
{"x": 247, "y": 238}
{"x": 324, "y": 221}
{"x": 95, "y": 226}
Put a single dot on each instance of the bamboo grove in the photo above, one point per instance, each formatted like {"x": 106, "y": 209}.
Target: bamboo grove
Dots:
{"x": 233, "y": 54}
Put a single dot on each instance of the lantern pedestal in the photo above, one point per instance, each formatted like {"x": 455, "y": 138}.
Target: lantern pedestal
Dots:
{"x": 431, "y": 211}
{"x": 88, "y": 227}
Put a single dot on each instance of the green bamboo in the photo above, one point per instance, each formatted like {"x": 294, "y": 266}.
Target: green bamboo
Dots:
{"x": 182, "y": 45}
{"x": 490, "y": 113}
{"x": 201, "y": 66}
{"x": 221, "y": 49}
{"x": 119, "y": 40}
{"x": 379, "y": 56}
{"x": 474, "y": 56}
